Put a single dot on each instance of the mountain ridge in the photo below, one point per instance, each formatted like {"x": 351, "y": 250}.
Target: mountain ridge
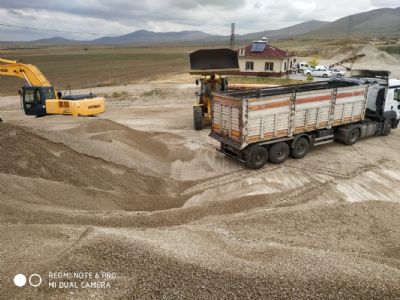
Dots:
{"x": 382, "y": 22}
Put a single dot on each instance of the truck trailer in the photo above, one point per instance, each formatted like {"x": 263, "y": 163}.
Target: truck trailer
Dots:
{"x": 271, "y": 124}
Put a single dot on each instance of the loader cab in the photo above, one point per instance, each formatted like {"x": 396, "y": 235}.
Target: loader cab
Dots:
{"x": 34, "y": 99}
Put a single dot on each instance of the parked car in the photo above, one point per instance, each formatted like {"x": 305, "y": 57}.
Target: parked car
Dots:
{"x": 318, "y": 71}
{"x": 338, "y": 72}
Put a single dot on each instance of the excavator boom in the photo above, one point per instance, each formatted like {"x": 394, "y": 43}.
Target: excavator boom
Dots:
{"x": 30, "y": 73}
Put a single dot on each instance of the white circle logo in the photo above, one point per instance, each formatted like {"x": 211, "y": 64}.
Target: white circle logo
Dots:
{"x": 20, "y": 280}
{"x": 35, "y": 280}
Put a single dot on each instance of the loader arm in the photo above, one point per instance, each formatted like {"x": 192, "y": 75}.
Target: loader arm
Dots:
{"x": 30, "y": 73}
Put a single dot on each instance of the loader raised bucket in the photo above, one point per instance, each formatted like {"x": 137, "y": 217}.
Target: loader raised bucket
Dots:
{"x": 214, "y": 61}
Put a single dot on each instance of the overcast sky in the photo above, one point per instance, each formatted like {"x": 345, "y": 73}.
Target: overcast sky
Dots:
{"x": 116, "y": 17}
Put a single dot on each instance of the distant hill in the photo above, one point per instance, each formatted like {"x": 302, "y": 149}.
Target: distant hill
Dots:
{"x": 57, "y": 40}
{"x": 374, "y": 23}
{"x": 383, "y": 22}
{"x": 286, "y": 32}
{"x": 150, "y": 37}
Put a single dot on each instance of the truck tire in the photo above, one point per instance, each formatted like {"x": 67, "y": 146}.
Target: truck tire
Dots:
{"x": 325, "y": 75}
{"x": 256, "y": 157}
{"x": 387, "y": 128}
{"x": 352, "y": 136}
{"x": 308, "y": 74}
{"x": 278, "y": 153}
{"x": 198, "y": 117}
{"x": 300, "y": 148}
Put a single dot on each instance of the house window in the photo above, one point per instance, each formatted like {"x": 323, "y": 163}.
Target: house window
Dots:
{"x": 269, "y": 66}
{"x": 249, "y": 65}
{"x": 241, "y": 52}
{"x": 285, "y": 66}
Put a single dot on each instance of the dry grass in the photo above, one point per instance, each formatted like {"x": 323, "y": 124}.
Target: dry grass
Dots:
{"x": 151, "y": 93}
{"x": 96, "y": 66}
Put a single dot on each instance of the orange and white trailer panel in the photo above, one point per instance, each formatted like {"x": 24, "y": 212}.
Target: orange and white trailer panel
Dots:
{"x": 243, "y": 118}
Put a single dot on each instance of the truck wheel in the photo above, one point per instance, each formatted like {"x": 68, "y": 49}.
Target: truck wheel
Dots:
{"x": 352, "y": 136}
{"x": 256, "y": 157}
{"x": 278, "y": 153}
{"x": 387, "y": 127}
{"x": 308, "y": 74}
{"x": 300, "y": 148}
{"x": 198, "y": 117}
{"x": 325, "y": 75}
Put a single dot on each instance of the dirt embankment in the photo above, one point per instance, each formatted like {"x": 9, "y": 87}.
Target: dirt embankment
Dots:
{"x": 373, "y": 59}
{"x": 37, "y": 171}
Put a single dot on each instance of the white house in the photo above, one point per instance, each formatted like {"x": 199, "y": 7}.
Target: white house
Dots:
{"x": 262, "y": 59}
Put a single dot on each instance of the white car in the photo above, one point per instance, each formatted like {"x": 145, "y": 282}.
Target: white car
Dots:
{"x": 338, "y": 72}
{"x": 318, "y": 71}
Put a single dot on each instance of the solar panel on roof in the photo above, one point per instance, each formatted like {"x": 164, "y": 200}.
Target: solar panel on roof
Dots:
{"x": 258, "y": 47}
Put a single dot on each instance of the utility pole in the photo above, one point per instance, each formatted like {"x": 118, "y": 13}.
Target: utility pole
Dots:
{"x": 232, "y": 36}
{"x": 349, "y": 28}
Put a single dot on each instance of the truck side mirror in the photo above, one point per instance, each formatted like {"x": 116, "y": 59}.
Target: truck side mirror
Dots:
{"x": 197, "y": 82}
{"x": 59, "y": 95}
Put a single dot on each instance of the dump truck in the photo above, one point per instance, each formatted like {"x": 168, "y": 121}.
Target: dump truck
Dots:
{"x": 39, "y": 97}
{"x": 212, "y": 65}
{"x": 271, "y": 124}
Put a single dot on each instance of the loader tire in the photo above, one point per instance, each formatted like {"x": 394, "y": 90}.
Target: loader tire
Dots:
{"x": 256, "y": 157}
{"x": 198, "y": 117}
{"x": 278, "y": 153}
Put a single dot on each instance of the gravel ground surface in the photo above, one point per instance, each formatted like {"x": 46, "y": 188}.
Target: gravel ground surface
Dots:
{"x": 137, "y": 193}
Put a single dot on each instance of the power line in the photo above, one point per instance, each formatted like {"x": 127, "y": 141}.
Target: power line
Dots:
{"x": 53, "y": 30}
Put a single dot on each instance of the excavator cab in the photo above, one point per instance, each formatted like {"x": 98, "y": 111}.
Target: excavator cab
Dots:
{"x": 34, "y": 99}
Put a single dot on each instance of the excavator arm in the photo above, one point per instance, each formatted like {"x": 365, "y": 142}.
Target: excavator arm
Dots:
{"x": 30, "y": 73}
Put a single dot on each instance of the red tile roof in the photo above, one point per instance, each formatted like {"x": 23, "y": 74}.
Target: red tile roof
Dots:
{"x": 269, "y": 51}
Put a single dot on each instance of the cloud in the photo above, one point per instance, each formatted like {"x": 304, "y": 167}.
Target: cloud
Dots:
{"x": 213, "y": 16}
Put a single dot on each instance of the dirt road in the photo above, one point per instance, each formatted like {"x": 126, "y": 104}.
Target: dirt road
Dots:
{"x": 137, "y": 193}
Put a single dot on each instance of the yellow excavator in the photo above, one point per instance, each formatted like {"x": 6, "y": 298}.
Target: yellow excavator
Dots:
{"x": 39, "y": 97}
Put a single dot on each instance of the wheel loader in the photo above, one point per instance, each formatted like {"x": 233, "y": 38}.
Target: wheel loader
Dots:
{"x": 39, "y": 97}
{"x": 212, "y": 65}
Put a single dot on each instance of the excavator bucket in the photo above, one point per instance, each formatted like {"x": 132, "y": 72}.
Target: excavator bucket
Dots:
{"x": 214, "y": 61}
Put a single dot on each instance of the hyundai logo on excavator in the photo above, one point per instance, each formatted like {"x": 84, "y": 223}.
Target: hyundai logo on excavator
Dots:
{"x": 4, "y": 70}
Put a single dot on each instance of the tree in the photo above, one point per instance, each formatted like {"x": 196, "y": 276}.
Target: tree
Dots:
{"x": 313, "y": 62}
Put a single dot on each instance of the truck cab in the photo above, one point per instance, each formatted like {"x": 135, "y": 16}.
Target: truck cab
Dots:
{"x": 392, "y": 102}
{"x": 383, "y": 95}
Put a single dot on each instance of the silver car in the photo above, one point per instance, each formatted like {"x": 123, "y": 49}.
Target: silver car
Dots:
{"x": 338, "y": 72}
